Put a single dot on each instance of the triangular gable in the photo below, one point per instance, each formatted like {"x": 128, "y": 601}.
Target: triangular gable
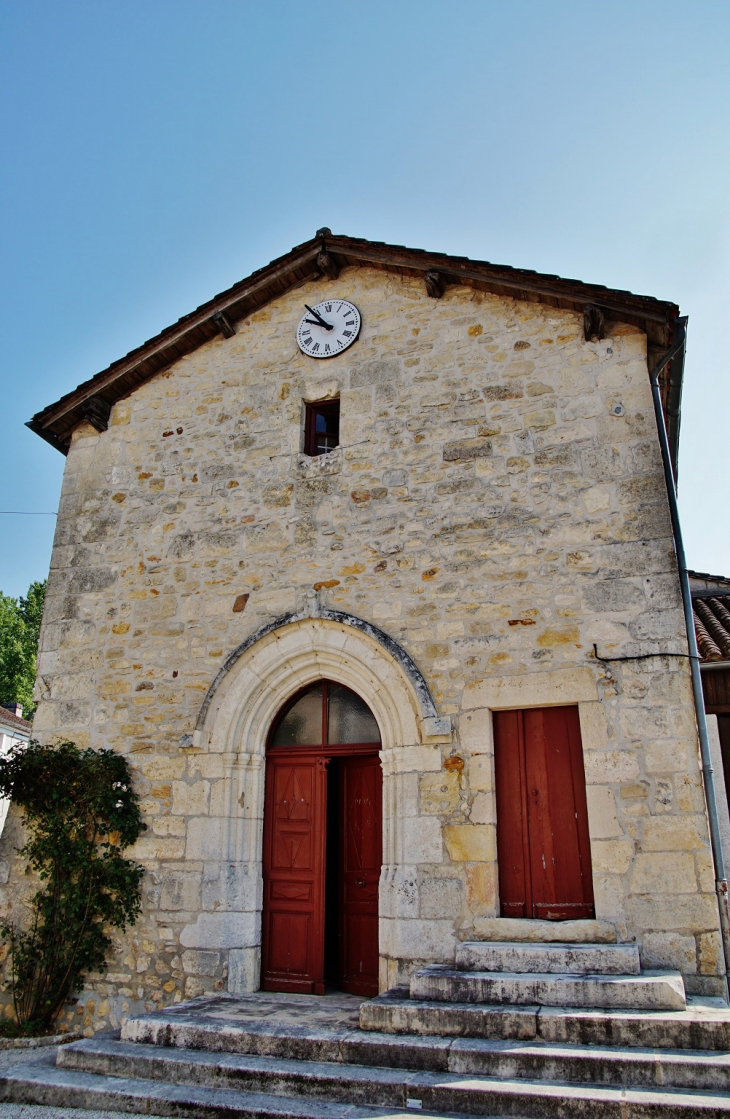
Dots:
{"x": 327, "y": 254}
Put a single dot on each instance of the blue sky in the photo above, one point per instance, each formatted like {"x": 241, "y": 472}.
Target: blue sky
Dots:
{"x": 155, "y": 151}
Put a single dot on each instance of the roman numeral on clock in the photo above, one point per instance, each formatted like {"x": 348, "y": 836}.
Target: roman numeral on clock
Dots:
{"x": 333, "y": 334}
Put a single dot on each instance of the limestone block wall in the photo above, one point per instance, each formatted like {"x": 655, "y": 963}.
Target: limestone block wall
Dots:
{"x": 497, "y": 507}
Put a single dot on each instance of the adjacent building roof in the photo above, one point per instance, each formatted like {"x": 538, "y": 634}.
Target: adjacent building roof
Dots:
{"x": 711, "y": 608}
{"x": 13, "y": 724}
{"x": 326, "y": 254}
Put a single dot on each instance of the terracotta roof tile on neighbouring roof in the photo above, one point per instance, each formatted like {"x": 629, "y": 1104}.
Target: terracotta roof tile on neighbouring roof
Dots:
{"x": 712, "y": 626}
{"x": 8, "y": 719}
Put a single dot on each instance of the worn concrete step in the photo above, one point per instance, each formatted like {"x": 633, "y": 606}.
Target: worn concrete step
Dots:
{"x": 325, "y": 1080}
{"x": 182, "y": 1028}
{"x": 505, "y": 1060}
{"x": 649, "y": 991}
{"x": 702, "y": 1025}
{"x": 437, "y": 1094}
{"x": 571, "y": 959}
{"x": 57, "y": 1087}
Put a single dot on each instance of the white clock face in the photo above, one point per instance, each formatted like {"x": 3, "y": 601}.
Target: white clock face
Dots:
{"x": 328, "y": 328}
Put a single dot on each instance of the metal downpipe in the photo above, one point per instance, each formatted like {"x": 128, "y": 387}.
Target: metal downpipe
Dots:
{"x": 708, "y": 776}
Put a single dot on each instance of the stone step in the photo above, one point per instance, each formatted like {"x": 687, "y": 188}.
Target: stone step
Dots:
{"x": 701, "y": 1026}
{"x": 437, "y": 1094}
{"x": 57, "y": 1087}
{"x": 649, "y": 991}
{"x": 183, "y": 1028}
{"x": 326, "y": 1080}
{"x": 374, "y": 1035}
{"x": 504, "y": 1060}
{"x": 571, "y": 959}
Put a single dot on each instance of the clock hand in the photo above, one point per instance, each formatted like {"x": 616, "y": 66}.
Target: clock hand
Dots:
{"x": 320, "y": 320}
{"x": 314, "y": 322}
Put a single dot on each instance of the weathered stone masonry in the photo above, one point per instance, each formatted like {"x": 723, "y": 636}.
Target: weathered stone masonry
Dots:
{"x": 496, "y": 506}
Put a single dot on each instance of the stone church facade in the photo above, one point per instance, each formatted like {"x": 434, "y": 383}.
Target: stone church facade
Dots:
{"x": 494, "y": 514}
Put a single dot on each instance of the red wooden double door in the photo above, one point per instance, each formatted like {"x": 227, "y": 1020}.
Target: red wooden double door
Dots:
{"x": 321, "y": 864}
{"x": 543, "y": 846}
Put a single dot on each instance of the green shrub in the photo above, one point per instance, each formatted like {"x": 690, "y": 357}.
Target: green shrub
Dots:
{"x": 20, "y": 625}
{"x": 80, "y": 812}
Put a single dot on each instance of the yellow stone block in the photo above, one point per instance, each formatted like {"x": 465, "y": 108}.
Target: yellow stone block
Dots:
{"x": 611, "y": 856}
{"x": 664, "y": 873}
{"x": 674, "y": 833}
{"x": 481, "y": 775}
{"x": 439, "y": 793}
{"x": 711, "y": 958}
{"x": 470, "y": 843}
{"x": 481, "y": 887}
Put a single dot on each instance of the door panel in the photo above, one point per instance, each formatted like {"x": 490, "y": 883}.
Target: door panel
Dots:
{"x": 288, "y": 946}
{"x": 513, "y": 850}
{"x": 361, "y": 799}
{"x": 293, "y": 867}
{"x": 543, "y": 844}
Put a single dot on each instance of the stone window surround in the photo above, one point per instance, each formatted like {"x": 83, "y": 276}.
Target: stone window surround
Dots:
{"x": 235, "y": 719}
{"x": 550, "y": 688}
{"x": 329, "y": 406}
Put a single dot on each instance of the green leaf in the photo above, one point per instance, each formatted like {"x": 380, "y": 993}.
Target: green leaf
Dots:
{"x": 81, "y": 811}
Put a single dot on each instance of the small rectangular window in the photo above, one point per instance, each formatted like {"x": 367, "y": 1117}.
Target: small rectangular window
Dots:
{"x": 322, "y": 427}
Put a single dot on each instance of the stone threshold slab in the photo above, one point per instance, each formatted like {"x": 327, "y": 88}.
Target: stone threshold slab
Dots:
{"x": 572, "y": 959}
{"x": 439, "y": 1096}
{"x": 648, "y": 991}
{"x": 505, "y": 1060}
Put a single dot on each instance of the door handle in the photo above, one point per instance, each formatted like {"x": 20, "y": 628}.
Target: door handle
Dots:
{"x": 360, "y": 882}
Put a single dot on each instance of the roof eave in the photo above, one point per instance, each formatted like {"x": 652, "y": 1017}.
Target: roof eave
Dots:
{"x": 93, "y": 398}
{"x": 48, "y": 435}
{"x": 673, "y": 405}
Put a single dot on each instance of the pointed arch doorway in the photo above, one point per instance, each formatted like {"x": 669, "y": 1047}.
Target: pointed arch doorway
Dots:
{"x": 322, "y": 852}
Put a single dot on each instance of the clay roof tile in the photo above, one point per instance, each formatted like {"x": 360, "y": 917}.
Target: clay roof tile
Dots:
{"x": 712, "y": 626}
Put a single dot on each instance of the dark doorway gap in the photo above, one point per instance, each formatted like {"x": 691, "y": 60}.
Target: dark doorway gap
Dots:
{"x": 332, "y": 881}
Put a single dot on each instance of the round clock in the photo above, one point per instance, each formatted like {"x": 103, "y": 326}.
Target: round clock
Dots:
{"x": 329, "y": 328}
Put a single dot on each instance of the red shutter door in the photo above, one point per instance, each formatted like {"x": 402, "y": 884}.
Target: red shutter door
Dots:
{"x": 361, "y": 798}
{"x": 543, "y": 845}
{"x": 293, "y": 866}
{"x": 513, "y": 850}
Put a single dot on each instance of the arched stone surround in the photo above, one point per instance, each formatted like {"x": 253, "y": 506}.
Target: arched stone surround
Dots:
{"x": 257, "y": 679}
